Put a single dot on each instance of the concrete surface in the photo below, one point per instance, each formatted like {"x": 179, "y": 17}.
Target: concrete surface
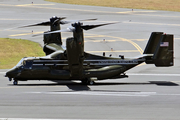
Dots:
{"x": 149, "y": 93}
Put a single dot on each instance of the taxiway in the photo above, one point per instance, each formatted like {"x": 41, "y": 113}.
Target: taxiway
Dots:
{"x": 149, "y": 92}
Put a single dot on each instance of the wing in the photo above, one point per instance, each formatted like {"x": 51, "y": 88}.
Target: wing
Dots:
{"x": 92, "y": 56}
{"x": 53, "y": 47}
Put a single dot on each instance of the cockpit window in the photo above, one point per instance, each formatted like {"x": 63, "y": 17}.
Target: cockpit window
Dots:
{"x": 28, "y": 64}
{"x": 24, "y": 62}
{"x": 20, "y": 63}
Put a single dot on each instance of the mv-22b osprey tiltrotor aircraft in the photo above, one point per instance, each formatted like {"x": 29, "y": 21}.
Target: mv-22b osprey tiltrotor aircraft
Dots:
{"x": 73, "y": 63}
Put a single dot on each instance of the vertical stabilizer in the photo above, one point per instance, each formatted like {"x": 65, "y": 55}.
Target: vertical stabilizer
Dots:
{"x": 164, "y": 54}
{"x": 152, "y": 43}
{"x": 161, "y": 48}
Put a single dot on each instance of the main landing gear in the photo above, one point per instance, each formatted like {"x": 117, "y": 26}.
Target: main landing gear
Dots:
{"x": 123, "y": 75}
{"x": 89, "y": 81}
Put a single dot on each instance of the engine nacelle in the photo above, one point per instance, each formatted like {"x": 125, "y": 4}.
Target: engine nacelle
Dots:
{"x": 75, "y": 56}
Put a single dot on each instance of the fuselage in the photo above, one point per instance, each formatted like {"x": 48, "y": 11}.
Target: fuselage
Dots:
{"x": 39, "y": 68}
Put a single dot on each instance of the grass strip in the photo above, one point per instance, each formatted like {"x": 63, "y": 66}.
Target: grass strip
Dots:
{"x": 167, "y": 5}
{"x": 12, "y": 50}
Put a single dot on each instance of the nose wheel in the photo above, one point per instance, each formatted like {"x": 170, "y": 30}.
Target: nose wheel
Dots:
{"x": 15, "y": 82}
{"x": 10, "y": 79}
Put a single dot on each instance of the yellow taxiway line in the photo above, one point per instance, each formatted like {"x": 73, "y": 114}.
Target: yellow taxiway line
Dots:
{"x": 139, "y": 49}
{"x": 123, "y": 39}
{"x": 31, "y": 33}
{"x": 118, "y": 39}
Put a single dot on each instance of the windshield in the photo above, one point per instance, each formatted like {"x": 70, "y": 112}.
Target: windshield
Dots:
{"x": 20, "y": 62}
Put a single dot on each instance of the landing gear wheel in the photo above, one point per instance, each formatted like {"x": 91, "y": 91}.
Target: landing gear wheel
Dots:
{"x": 10, "y": 79}
{"x": 15, "y": 82}
{"x": 87, "y": 82}
{"x": 91, "y": 82}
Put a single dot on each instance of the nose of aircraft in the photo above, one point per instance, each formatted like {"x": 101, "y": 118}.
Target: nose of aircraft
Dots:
{"x": 12, "y": 73}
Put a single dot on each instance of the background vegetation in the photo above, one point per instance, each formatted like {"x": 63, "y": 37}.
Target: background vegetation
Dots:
{"x": 12, "y": 50}
{"x": 167, "y": 5}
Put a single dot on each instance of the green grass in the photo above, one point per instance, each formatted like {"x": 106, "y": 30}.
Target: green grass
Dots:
{"x": 12, "y": 50}
{"x": 167, "y": 5}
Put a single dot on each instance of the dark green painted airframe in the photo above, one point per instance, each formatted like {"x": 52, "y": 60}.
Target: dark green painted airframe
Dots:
{"x": 73, "y": 63}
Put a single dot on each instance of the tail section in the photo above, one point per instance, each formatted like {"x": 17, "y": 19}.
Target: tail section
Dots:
{"x": 152, "y": 43}
{"x": 162, "y": 47}
{"x": 164, "y": 54}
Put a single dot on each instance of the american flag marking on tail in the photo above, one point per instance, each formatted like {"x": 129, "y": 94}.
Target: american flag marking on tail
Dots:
{"x": 164, "y": 44}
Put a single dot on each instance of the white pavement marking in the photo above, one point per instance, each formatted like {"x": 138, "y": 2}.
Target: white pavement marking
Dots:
{"x": 43, "y": 119}
{"x": 166, "y": 24}
{"x": 2, "y": 72}
{"x": 125, "y": 94}
{"x": 116, "y": 94}
{"x": 144, "y": 74}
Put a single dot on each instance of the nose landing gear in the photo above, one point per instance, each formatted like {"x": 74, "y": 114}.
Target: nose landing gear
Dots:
{"x": 15, "y": 82}
{"x": 10, "y": 79}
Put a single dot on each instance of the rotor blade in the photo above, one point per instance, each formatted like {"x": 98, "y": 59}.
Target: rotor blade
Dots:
{"x": 72, "y": 21}
{"x": 39, "y": 24}
{"x": 61, "y": 18}
{"x": 48, "y": 23}
{"x": 87, "y": 27}
{"x": 64, "y": 22}
{"x": 55, "y": 21}
{"x": 37, "y": 35}
{"x": 58, "y": 31}
{"x": 88, "y": 19}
